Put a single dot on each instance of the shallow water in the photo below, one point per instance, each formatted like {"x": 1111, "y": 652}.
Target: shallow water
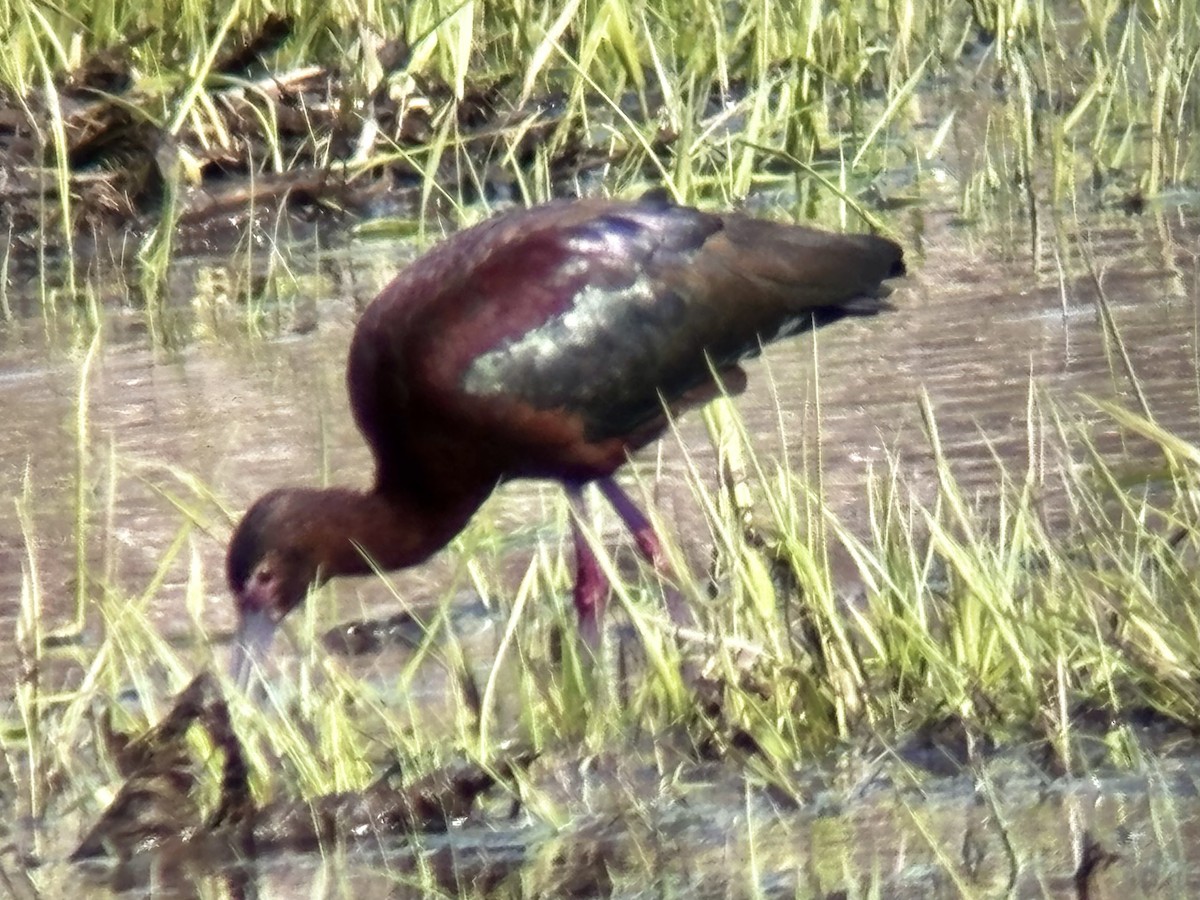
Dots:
{"x": 985, "y": 314}
{"x": 975, "y": 324}
{"x": 1001, "y": 832}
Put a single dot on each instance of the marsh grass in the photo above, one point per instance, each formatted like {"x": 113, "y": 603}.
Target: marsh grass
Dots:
{"x": 993, "y": 623}
{"x": 1028, "y": 105}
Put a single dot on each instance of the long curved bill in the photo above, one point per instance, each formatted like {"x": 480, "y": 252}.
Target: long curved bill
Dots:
{"x": 250, "y": 645}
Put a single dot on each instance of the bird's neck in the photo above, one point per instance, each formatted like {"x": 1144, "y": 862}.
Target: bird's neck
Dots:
{"x": 352, "y": 531}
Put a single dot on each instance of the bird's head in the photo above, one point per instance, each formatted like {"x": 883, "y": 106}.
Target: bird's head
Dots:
{"x": 270, "y": 567}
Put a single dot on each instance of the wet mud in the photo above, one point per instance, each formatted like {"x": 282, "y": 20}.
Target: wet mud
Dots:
{"x": 156, "y": 820}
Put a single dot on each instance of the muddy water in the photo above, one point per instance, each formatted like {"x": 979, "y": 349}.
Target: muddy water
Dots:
{"x": 981, "y": 315}
{"x": 984, "y": 313}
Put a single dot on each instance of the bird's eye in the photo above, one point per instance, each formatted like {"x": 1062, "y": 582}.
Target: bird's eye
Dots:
{"x": 263, "y": 577}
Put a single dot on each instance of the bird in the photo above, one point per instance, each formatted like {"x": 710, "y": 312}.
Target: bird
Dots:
{"x": 547, "y": 342}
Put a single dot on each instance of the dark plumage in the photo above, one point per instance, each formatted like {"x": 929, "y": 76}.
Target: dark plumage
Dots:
{"x": 542, "y": 343}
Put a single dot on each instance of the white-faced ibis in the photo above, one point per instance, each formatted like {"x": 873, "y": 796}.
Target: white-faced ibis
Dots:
{"x": 543, "y": 343}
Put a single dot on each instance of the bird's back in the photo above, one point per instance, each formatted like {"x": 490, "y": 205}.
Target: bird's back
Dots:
{"x": 555, "y": 334}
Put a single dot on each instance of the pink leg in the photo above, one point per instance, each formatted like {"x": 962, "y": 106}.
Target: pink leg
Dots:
{"x": 591, "y": 587}
{"x": 650, "y": 546}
